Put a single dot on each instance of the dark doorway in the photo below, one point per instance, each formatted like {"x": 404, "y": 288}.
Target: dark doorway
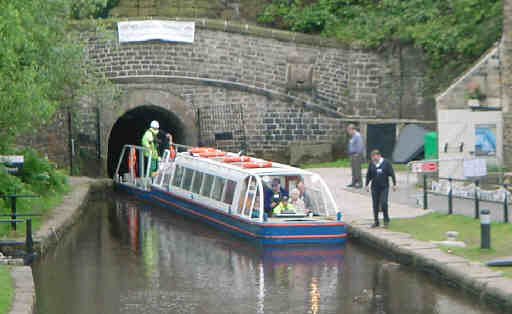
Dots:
{"x": 130, "y": 128}
{"x": 381, "y": 137}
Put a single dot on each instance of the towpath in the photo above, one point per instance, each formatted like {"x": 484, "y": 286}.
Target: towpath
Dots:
{"x": 356, "y": 205}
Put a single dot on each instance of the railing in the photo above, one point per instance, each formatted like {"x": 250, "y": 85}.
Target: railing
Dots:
{"x": 474, "y": 193}
{"x": 29, "y": 242}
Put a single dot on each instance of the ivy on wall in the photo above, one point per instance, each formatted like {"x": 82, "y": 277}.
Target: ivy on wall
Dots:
{"x": 453, "y": 34}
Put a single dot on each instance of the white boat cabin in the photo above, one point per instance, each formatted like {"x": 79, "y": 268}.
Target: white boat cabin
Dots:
{"x": 232, "y": 183}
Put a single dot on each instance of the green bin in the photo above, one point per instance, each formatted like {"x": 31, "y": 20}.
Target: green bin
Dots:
{"x": 430, "y": 145}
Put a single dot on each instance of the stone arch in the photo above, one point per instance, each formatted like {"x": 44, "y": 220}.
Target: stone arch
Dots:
{"x": 141, "y": 107}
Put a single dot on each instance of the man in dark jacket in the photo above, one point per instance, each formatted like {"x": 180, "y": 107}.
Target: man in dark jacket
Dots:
{"x": 379, "y": 171}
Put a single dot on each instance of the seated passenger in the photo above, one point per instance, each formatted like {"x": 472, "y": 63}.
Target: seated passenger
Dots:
{"x": 296, "y": 201}
{"x": 284, "y": 207}
{"x": 273, "y": 196}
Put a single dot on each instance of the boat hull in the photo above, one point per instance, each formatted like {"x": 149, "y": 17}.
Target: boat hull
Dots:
{"x": 265, "y": 233}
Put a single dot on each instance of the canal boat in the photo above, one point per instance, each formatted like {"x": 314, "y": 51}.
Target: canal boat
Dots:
{"x": 230, "y": 192}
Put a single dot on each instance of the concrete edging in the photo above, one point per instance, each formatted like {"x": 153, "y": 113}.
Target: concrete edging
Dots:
{"x": 63, "y": 217}
{"x": 473, "y": 277}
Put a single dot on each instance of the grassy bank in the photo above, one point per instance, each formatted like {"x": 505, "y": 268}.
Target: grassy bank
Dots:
{"x": 345, "y": 163}
{"x": 6, "y": 289}
{"x": 38, "y": 177}
{"x": 434, "y": 226}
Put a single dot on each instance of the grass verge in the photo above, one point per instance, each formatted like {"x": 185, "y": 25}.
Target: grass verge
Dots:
{"x": 345, "y": 163}
{"x": 6, "y": 289}
{"x": 434, "y": 226}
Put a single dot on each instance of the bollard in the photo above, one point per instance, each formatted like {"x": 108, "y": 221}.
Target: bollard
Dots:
{"x": 485, "y": 227}
{"x": 477, "y": 202}
{"x": 505, "y": 208}
{"x": 338, "y": 216}
{"x": 450, "y": 198}
{"x": 425, "y": 195}
{"x": 29, "y": 243}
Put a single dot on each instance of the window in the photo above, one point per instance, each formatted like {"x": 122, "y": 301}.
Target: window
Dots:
{"x": 229, "y": 194}
{"x": 198, "y": 180}
{"x": 207, "y": 186}
{"x": 178, "y": 174}
{"x": 218, "y": 188}
{"x": 167, "y": 179}
{"x": 187, "y": 179}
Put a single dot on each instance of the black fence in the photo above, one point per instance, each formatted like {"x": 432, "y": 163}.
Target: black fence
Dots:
{"x": 472, "y": 199}
{"x": 29, "y": 241}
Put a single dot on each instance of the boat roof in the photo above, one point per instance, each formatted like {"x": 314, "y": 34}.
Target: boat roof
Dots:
{"x": 276, "y": 169}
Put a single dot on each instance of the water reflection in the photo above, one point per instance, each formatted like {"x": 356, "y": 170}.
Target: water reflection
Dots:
{"x": 127, "y": 258}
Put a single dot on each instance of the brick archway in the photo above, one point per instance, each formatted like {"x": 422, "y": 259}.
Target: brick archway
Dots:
{"x": 141, "y": 107}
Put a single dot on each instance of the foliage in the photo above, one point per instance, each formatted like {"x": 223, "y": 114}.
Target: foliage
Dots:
{"x": 434, "y": 227}
{"x": 473, "y": 91}
{"x": 451, "y": 33}
{"x": 92, "y": 8}
{"x": 38, "y": 176}
{"x": 41, "y": 64}
{"x": 7, "y": 294}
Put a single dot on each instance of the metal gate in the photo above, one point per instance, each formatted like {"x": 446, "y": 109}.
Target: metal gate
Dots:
{"x": 222, "y": 126}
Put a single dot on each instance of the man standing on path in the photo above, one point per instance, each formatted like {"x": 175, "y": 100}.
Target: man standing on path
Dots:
{"x": 355, "y": 151}
{"x": 379, "y": 171}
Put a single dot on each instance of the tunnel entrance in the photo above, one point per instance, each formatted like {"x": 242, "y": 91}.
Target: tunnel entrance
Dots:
{"x": 130, "y": 128}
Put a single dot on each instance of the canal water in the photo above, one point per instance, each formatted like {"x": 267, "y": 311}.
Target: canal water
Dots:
{"x": 128, "y": 257}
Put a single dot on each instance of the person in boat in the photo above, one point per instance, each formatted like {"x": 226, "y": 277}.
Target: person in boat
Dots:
{"x": 296, "y": 201}
{"x": 164, "y": 141}
{"x": 284, "y": 207}
{"x": 303, "y": 196}
{"x": 272, "y": 196}
{"x": 149, "y": 141}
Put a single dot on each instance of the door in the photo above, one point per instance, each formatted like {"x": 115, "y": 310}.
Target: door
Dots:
{"x": 381, "y": 137}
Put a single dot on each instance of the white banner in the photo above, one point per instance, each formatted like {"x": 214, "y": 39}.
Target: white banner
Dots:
{"x": 156, "y": 30}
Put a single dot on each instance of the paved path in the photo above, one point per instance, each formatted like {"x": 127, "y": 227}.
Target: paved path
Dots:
{"x": 356, "y": 205}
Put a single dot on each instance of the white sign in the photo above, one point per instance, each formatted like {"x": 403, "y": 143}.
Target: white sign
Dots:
{"x": 156, "y": 30}
{"x": 475, "y": 168}
{"x": 12, "y": 159}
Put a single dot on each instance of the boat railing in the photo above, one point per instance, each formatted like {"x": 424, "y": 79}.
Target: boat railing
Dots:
{"x": 131, "y": 168}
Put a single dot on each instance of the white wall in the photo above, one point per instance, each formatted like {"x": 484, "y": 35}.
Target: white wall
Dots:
{"x": 458, "y": 126}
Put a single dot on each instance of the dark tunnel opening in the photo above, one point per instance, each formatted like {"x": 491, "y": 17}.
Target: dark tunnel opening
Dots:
{"x": 130, "y": 128}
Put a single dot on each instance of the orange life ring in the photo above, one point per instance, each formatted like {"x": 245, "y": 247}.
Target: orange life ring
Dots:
{"x": 237, "y": 159}
{"x": 264, "y": 164}
{"x": 216, "y": 153}
{"x": 198, "y": 150}
{"x": 132, "y": 161}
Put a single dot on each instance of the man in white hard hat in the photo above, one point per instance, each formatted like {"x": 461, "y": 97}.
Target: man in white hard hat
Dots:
{"x": 149, "y": 141}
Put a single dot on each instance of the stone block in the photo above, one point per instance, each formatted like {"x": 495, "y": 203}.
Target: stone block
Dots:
{"x": 310, "y": 153}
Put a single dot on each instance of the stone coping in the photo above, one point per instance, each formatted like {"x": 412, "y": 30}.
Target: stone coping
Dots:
{"x": 488, "y": 285}
{"x": 232, "y": 27}
{"x": 24, "y": 290}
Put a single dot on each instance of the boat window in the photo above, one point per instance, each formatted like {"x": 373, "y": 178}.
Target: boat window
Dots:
{"x": 198, "y": 180}
{"x": 187, "y": 179}
{"x": 218, "y": 188}
{"x": 158, "y": 179}
{"x": 207, "y": 186}
{"x": 229, "y": 193}
{"x": 178, "y": 174}
{"x": 167, "y": 179}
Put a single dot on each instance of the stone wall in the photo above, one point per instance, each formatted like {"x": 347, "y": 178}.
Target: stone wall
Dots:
{"x": 289, "y": 89}
{"x": 486, "y": 74}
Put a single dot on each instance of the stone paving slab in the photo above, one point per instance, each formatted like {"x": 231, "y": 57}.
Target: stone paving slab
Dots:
{"x": 24, "y": 290}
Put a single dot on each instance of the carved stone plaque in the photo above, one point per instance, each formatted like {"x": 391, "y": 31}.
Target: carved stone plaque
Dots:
{"x": 299, "y": 70}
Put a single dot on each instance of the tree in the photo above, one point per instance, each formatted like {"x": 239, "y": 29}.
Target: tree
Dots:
{"x": 41, "y": 64}
{"x": 507, "y": 52}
